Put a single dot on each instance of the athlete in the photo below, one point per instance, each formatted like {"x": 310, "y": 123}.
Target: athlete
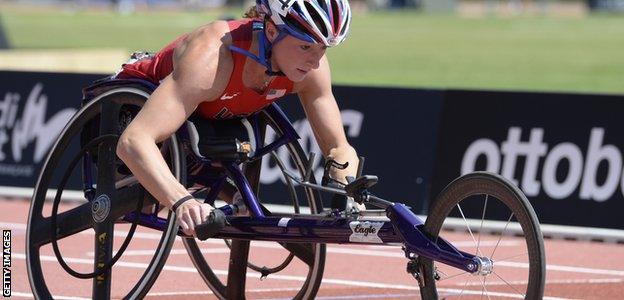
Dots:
{"x": 229, "y": 69}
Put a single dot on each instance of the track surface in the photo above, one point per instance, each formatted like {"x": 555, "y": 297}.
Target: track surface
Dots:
{"x": 576, "y": 270}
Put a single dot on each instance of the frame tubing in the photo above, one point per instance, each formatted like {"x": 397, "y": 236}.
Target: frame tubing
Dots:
{"x": 245, "y": 188}
{"x": 410, "y": 227}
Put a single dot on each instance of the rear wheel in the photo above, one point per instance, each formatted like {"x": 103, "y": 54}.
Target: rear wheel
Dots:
{"x": 105, "y": 210}
{"x": 470, "y": 204}
{"x": 224, "y": 264}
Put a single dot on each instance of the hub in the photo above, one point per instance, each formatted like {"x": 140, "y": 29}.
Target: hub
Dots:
{"x": 100, "y": 208}
{"x": 484, "y": 266}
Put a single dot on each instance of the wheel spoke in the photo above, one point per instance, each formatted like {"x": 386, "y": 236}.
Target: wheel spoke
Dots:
{"x": 482, "y": 291}
{"x": 508, "y": 258}
{"x": 509, "y": 284}
{"x": 482, "y": 218}
{"x": 103, "y": 255}
{"x": 463, "y": 289}
{"x": 237, "y": 271}
{"x": 468, "y": 226}
{"x": 485, "y": 289}
{"x": 451, "y": 276}
{"x": 67, "y": 223}
{"x": 109, "y": 119}
{"x": 502, "y": 234}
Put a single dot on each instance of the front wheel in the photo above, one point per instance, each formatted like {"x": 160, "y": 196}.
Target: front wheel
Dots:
{"x": 471, "y": 204}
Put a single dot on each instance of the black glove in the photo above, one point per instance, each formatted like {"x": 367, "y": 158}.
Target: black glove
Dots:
{"x": 216, "y": 221}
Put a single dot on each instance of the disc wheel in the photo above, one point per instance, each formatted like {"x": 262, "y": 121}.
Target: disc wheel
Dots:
{"x": 491, "y": 219}
{"x": 107, "y": 208}
{"x": 224, "y": 264}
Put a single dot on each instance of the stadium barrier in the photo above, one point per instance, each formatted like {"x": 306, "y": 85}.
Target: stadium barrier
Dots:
{"x": 563, "y": 150}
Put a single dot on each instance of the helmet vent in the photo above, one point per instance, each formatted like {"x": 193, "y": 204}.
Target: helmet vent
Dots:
{"x": 316, "y": 17}
{"x": 335, "y": 12}
{"x": 294, "y": 24}
{"x": 344, "y": 26}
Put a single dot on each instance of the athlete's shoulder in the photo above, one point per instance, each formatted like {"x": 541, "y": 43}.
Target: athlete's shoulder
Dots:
{"x": 214, "y": 33}
{"x": 203, "y": 58}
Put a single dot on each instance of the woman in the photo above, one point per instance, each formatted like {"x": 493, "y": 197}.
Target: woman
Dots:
{"x": 235, "y": 68}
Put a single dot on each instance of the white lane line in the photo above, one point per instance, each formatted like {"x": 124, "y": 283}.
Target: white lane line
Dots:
{"x": 199, "y": 293}
{"x": 9, "y": 225}
{"x": 173, "y": 252}
{"x": 493, "y": 294}
{"x": 256, "y": 275}
{"x": 563, "y": 268}
{"x": 352, "y": 251}
{"x": 30, "y": 295}
{"x": 450, "y": 292}
{"x": 274, "y": 276}
{"x": 555, "y": 281}
{"x": 367, "y": 296}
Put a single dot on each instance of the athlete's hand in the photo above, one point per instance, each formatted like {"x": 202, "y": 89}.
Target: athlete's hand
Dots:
{"x": 191, "y": 214}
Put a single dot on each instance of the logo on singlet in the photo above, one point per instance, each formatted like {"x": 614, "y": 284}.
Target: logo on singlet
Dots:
{"x": 228, "y": 97}
{"x": 224, "y": 113}
{"x": 273, "y": 94}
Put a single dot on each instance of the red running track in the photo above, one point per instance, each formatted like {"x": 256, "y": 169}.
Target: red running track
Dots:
{"x": 576, "y": 270}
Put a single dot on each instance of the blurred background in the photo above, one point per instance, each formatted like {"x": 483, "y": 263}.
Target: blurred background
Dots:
{"x": 539, "y": 45}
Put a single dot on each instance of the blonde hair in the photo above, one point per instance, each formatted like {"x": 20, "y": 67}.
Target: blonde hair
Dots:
{"x": 251, "y": 13}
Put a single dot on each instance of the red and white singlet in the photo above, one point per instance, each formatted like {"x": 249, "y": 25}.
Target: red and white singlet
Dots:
{"x": 237, "y": 99}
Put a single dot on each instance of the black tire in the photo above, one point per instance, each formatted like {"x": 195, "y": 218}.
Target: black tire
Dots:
{"x": 464, "y": 198}
{"x": 84, "y": 124}
{"x": 239, "y": 250}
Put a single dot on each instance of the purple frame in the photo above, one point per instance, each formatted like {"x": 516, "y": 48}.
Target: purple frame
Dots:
{"x": 403, "y": 226}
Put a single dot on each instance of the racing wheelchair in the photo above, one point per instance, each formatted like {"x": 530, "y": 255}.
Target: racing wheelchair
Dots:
{"x": 111, "y": 198}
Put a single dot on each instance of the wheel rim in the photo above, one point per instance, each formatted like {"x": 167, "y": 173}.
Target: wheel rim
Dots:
{"x": 474, "y": 203}
{"x": 310, "y": 282}
{"x": 37, "y": 242}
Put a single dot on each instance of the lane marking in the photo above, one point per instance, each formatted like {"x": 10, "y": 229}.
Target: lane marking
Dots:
{"x": 496, "y": 294}
{"x": 199, "y": 293}
{"x": 563, "y": 268}
{"x": 554, "y": 281}
{"x": 150, "y": 253}
{"x": 367, "y": 296}
{"x": 255, "y": 275}
{"x": 450, "y": 292}
{"x": 30, "y": 295}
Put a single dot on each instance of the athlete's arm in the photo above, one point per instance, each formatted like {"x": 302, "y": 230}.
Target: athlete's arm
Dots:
{"x": 197, "y": 62}
{"x": 324, "y": 116}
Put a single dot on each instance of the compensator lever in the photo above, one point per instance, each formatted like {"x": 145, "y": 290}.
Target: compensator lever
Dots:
{"x": 358, "y": 188}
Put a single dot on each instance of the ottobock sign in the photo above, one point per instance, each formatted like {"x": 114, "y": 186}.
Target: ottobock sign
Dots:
{"x": 563, "y": 151}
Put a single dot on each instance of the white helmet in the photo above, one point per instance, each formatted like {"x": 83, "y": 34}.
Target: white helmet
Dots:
{"x": 317, "y": 21}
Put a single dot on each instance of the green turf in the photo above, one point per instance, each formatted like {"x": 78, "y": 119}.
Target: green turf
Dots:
{"x": 405, "y": 49}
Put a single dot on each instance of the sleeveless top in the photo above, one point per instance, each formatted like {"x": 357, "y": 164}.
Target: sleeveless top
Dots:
{"x": 237, "y": 100}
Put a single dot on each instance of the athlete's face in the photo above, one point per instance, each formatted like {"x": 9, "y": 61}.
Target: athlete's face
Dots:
{"x": 296, "y": 58}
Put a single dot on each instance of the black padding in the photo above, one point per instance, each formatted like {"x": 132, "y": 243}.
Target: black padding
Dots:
{"x": 218, "y": 139}
{"x": 216, "y": 221}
